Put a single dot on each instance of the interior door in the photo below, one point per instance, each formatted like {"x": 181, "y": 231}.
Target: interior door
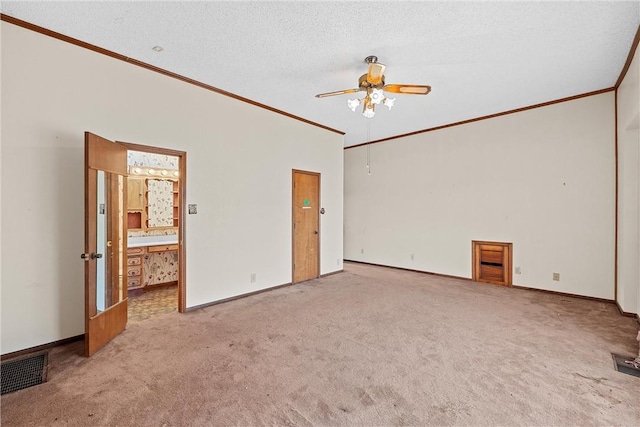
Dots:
{"x": 105, "y": 241}
{"x": 306, "y": 225}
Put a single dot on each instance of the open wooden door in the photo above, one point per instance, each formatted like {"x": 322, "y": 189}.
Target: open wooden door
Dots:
{"x": 105, "y": 241}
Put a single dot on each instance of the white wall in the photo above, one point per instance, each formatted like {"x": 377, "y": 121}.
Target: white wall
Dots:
{"x": 542, "y": 179}
{"x": 239, "y": 163}
{"x": 628, "y": 98}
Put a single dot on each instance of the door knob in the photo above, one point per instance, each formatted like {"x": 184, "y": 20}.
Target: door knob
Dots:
{"x": 315, "y": 232}
{"x": 92, "y": 256}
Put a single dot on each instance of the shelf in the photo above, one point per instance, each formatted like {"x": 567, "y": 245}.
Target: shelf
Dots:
{"x": 134, "y": 220}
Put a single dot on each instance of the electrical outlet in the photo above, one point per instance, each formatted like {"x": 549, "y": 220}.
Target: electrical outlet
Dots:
{"x": 361, "y": 251}
{"x": 556, "y": 277}
{"x": 518, "y": 271}
{"x": 253, "y": 278}
{"x": 338, "y": 262}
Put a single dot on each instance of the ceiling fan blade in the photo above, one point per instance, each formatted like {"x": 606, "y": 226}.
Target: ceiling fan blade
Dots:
{"x": 408, "y": 89}
{"x": 375, "y": 73}
{"x": 338, "y": 92}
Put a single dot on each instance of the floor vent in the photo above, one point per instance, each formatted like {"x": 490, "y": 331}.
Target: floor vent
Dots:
{"x": 24, "y": 372}
{"x": 625, "y": 364}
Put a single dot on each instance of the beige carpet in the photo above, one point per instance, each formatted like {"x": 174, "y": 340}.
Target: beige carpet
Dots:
{"x": 371, "y": 346}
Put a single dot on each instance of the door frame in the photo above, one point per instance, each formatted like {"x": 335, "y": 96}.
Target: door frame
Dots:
{"x": 293, "y": 213}
{"x": 182, "y": 186}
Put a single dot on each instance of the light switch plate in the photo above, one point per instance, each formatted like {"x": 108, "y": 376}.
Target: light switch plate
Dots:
{"x": 193, "y": 209}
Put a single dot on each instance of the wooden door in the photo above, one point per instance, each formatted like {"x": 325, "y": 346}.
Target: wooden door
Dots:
{"x": 135, "y": 194}
{"x": 306, "y": 225}
{"x": 492, "y": 262}
{"x": 105, "y": 241}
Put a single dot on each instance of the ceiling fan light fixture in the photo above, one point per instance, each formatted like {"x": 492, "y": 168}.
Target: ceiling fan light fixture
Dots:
{"x": 353, "y": 104}
{"x": 376, "y": 96}
{"x": 369, "y": 109}
{"x": 373, "y": 83}
{"x": 369, "y": 113}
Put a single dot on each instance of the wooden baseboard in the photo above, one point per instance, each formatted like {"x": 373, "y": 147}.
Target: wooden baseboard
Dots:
{"x": 608, "y": 301}
{"x": 411, "y": 270}
{"x": 332, "y": 273}
{"x": 151, "y": 288}
{"x": 273, "y": 288}
{"x": 564, "y": 294}
{"x": 624, "y": 313}
{"x": 221, "y": 301}
{"x": 41, "y": 347}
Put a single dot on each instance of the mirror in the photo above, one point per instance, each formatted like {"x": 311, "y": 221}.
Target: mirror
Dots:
{"x": 109, "y": 255}
{"x": 101, "y": 247}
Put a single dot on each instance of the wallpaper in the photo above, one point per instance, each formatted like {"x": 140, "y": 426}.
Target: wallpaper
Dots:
{"x": 160, "y": 198}
{"x": 161, "y": 232}
{"x": 160, "y": 267}
{"x": 137, "y": 158}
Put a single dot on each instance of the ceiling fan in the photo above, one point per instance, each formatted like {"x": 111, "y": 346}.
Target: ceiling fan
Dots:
{"x": 374, "y": 85}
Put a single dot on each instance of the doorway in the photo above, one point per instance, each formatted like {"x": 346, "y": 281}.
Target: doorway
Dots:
{"x": 306, "y": 225}
{"x": 110, "y": 265}
{"x": 154, "y": 227}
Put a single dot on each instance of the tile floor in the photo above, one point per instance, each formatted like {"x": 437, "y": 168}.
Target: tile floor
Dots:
{"x": 153, "y": 303}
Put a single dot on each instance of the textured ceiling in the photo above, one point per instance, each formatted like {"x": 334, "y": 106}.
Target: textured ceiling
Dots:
{"x": 480, "y": 58}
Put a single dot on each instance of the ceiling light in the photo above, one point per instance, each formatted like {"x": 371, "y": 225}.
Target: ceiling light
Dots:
{"x": 373, "y": 97}
{"x": 157, "y": 48}
{"x": 373, "y": 83}
{"x": 353, "y": 104}
{"x": 389, "y": 102}
{"x": 376, "y": 96}
{"x": 369, "y": 108}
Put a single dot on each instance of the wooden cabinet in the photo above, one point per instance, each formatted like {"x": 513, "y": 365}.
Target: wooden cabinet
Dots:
{"x": 135, "y": 203}
{"x": 135, "y": 194}
{"x": 176, "y": 201}
{"x": 160, "y": 265}
{"x": 152, "y": 203}
{"x": 152, "y": 266}
{"x": 134, "y": 267}
{"x": 162, "y": 248}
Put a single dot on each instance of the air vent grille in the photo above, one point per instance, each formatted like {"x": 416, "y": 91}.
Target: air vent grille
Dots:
{"x": 24, "y": 372}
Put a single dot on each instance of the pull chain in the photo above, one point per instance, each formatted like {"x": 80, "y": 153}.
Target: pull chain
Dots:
{"x": 368, "y": 147}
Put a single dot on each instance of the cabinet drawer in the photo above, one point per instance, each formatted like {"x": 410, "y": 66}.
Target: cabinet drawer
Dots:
{"x": 135, "y": 251}
{"x": 133, "y": 282}
{"x": 134, "y": 271}
{"x": 136, "y": 260}
{"x": 163, "y": 248}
